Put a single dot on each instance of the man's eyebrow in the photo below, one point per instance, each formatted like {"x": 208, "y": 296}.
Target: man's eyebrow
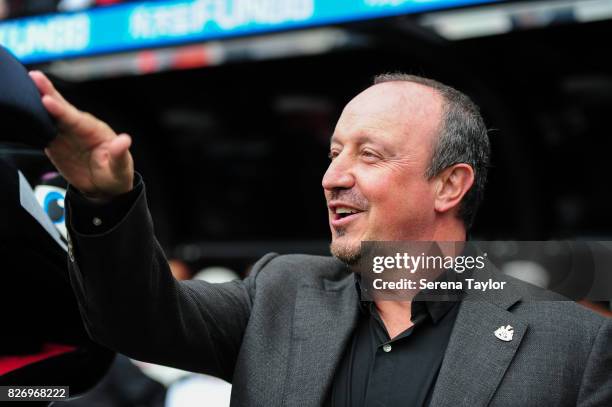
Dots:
{"x": 361, "y": 139}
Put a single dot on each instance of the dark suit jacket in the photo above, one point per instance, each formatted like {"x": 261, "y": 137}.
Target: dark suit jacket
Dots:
{"x": 279, "y": 334}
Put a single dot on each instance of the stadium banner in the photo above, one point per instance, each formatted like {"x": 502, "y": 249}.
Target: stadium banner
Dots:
{"x": 133, "y": 26}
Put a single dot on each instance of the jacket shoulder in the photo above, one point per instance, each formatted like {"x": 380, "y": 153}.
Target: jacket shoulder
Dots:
{"x": 299, "y": 267}
{"x": 551, "y": 310}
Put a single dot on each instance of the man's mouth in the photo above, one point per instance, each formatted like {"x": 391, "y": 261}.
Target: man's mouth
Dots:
{"x": 343, "y": 215}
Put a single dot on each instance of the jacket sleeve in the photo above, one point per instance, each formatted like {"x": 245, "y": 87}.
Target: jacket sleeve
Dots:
{"x": 596, "y": 386}
{"x": 130, "y": 302}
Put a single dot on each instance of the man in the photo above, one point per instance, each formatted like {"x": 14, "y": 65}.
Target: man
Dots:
{"x": 409, "y": 159}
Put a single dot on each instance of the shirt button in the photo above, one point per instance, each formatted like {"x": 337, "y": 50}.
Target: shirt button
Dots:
{"x": 97, "y": 221}
{"x": 387, "y": 348}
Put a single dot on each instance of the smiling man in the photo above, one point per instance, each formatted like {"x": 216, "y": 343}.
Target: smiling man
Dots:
{"x": 380, "y": 184}
{"x": 408, "y": 162}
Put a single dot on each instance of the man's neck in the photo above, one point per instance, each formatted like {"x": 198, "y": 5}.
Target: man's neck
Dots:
{"x": 450, "y": 230}
{"x": 396, "y": 315}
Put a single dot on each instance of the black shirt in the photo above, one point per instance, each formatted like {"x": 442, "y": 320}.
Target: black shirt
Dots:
{"x": 382, "y": 372}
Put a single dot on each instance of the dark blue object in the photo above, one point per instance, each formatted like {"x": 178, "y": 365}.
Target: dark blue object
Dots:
{"x": 23, "y": 118}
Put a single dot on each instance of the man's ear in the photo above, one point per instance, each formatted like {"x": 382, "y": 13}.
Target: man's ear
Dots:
{"x": 452, "y": 184}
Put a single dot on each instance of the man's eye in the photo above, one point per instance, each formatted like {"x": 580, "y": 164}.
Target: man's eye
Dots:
{"x": 332, "y": 155}
{"x": 369, "y": 154}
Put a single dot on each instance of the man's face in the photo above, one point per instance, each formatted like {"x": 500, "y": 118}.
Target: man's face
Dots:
{"x": 375, "y": 185}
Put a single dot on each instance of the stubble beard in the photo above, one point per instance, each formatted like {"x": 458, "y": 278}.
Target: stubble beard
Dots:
{"x": 348, "y": 253}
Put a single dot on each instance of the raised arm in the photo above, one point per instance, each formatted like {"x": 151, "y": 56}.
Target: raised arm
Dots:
{"x": 127, "y": 296}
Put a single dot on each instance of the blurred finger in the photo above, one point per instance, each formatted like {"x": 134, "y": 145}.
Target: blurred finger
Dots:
{"x": 53, "y": 101}
{"x": 119, "y": 145}
{"x": 75, "y": 122}
{"x": 67, "y": 115}
{"x": 118, "y": 150}
{"x": 56, "y": 109}
{"x": 44, "y": 85}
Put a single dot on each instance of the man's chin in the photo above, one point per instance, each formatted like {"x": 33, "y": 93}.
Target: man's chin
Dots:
{"x": 347, "y": 252}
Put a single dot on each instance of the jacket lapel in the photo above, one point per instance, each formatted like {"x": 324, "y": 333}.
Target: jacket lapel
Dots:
{"x": 324, "y": 319}
{"x": 476, "y": 360}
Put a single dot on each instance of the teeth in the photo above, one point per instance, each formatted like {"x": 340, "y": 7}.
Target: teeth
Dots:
{"x": 345, "y": 210}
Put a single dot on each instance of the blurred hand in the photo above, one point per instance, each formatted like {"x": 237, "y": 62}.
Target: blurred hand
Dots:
{"x": 86, "y": 151}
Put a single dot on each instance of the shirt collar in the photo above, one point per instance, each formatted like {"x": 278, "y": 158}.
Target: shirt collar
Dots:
{"x": 435, "y": 309}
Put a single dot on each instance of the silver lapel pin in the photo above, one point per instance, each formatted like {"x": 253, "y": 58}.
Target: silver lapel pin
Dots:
{"x": 504, "y": 333}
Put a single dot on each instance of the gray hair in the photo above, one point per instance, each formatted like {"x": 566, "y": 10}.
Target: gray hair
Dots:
{"x": 463, "y": 138}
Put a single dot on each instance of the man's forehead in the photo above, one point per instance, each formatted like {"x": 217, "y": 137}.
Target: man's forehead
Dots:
{"x": 392, "y": 107}
{"x": 409, "y": 97}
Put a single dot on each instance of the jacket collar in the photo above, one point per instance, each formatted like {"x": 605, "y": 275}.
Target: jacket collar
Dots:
{"x": 475, "y": 360}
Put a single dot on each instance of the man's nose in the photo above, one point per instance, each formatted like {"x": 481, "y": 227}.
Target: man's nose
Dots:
{"x": 338, "y": 175}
